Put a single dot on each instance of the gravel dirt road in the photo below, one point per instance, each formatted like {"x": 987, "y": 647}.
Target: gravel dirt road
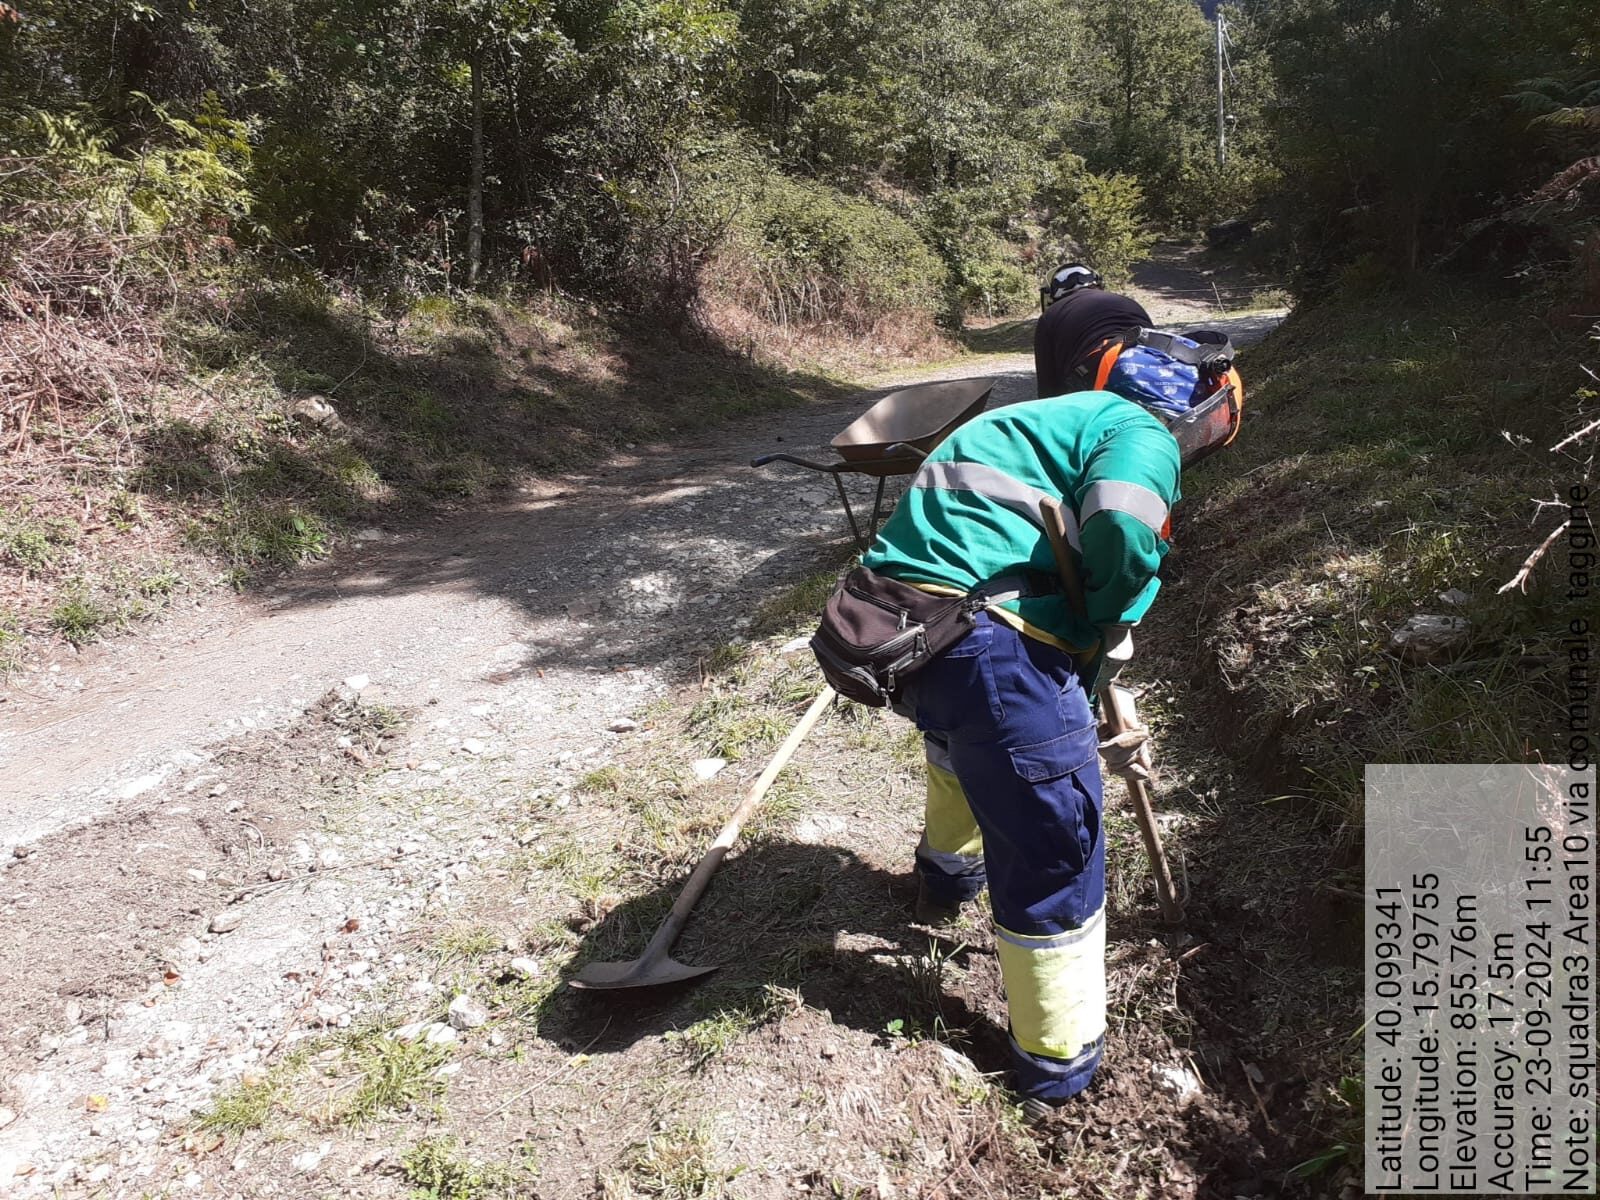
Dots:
{"x": 190, "y": 874}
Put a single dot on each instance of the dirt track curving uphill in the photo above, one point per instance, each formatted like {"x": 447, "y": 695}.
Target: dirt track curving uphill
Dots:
{"x": 239, "y": 827}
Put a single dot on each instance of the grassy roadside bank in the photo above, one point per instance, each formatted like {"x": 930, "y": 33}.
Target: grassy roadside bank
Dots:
{"x": 1393, "y": 463}
{"x": 288, "y": 417}
{"x": 1391, "y": 467}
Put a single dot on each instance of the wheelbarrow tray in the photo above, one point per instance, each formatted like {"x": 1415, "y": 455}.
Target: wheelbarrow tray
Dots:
{"x": 920, "y": 417}
{"x": 892, "y": 438}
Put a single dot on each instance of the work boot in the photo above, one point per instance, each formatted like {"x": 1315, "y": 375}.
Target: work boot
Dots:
{"x": 933, "y": 911}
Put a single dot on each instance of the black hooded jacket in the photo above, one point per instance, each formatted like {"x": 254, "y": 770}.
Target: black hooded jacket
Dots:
{"x": 1073, "y": 326}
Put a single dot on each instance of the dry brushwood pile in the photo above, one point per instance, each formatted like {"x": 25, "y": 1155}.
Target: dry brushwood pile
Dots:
{"x": 82, "y": 290}
{"x": 91, "y": 272}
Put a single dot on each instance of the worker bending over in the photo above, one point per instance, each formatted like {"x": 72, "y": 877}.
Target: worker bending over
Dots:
{"x": 1014, "y": 792}
{"x": 1014, "y": 780}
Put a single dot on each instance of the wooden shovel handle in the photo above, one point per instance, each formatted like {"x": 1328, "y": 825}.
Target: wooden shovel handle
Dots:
{"x": 696, "y": 886}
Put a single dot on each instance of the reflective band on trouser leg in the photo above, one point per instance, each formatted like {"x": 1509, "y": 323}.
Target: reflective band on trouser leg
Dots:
{"x": 1056, "y": 995}
{"x": 950, "y": 855}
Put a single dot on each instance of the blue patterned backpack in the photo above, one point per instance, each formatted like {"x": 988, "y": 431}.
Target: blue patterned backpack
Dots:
{"x": 1153, "y": 378}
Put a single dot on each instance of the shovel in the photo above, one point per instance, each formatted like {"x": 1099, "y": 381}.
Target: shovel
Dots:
{"x": 655, "y": 966}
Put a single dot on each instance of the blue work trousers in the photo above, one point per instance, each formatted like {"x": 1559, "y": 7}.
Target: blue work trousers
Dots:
{"x": 1014, "y": 800}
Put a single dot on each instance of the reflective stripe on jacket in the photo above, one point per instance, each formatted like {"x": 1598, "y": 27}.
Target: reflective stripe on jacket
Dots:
{"x": 972, "y": 510}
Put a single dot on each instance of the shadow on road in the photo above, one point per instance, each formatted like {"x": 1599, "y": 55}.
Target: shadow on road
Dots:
{"x": 632, "y": 549}
{"x": 644, "y": 558}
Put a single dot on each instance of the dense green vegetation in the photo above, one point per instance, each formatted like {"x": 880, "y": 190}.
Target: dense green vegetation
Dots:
{"x": 615, "y": 147}
{"x": 815, "y": 160}
{"x": 1415, "y": 130}
{"x": 501, "y": 235}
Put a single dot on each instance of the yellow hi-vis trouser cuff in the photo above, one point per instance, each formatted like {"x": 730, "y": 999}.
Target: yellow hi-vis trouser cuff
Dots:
{"x": 1055, "y": 987}
{"x": 950, "y": 836}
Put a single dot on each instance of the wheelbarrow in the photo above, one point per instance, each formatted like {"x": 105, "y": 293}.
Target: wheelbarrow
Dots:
{"x": 893, "y": 437}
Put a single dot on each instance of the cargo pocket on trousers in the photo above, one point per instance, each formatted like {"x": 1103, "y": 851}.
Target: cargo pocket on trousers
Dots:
{"x": 1066, "y": 783}
{"x": 1059, "y": 756}
{"x": 956, "y": 693}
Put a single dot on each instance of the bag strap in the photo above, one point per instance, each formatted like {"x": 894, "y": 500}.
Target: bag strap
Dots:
{"x": 1211, "y": 356}
{"x": 1014, "y": 585}
{"x": 1093, "y": 365}
{"x": 1215, "y": 354}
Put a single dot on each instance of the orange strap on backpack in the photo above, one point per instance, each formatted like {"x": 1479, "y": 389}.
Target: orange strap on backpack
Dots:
{"x": 1108, "y": 359}
{"x": 1108, "y": 352}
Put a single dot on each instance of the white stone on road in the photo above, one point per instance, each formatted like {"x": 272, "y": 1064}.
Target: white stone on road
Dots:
{"x": 466, "y": 1013}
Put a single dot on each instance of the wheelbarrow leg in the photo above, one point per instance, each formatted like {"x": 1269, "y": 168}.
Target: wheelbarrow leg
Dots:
{"x": 877, "y": 506}
{"x": 855, "y": 529}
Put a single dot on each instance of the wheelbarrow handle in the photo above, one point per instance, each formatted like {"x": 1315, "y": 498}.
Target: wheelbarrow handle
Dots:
{"x": 799, "y": 462}
{"x": 904, "y": 450}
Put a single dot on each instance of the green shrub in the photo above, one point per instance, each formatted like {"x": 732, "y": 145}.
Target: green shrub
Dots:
{"x": 34, "y": 544}
{"x": 79, "y": 617}
{"x": 439, "y": 1169}
{"x": 27, "y": 546}
{"x": 985, "y": 273}
{"x": 164, "y": 207}
{"x": 985, "y": 269}
{"x": 1103, "y": 216}
{"x": 97, "y": 246}
{"x": 1205, "y": 193}
{"x": 252, "y": 529}
{"x": 799, "y": 252}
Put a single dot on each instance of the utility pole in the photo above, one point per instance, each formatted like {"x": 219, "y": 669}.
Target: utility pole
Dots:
{"x": 1222, "y": 116}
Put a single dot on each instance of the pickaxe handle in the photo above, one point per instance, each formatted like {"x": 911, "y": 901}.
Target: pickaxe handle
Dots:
{"x": 1117, "y": 705}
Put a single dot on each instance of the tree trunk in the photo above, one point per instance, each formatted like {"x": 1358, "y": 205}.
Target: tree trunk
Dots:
{"x": 475, "y": 187}
{"x": 513, "y": 73}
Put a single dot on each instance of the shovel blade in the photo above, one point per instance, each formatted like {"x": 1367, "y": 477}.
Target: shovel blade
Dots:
{"x": 635, "y": 973}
